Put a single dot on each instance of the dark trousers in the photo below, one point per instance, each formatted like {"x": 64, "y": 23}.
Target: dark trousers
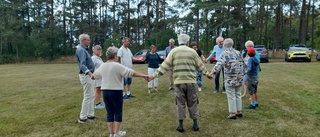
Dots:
{"x": 113, "y": 100}
{"x": 216, "y": 80}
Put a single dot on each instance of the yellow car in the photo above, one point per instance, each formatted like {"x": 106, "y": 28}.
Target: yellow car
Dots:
{"x": 298, "y": 53}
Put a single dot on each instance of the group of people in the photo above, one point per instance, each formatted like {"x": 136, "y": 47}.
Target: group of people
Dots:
{"x": 184, "y": 66}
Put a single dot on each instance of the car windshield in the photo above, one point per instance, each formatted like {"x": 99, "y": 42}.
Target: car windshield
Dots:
{"x": 259, "y": 49}
{"x": 141, "y": 53}
{"x": 298, "y": 49}
{"x": 161, "y": 52}
{"x": 297, "y": 45}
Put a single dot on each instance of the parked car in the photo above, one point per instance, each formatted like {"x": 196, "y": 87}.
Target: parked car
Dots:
{"x": 318, "y": 56}
{"x": 263, "y": 52}
{"x": 213, "y": 59}
{"x": 298, "y": 53}
{"x": 162, "y": 54}
{"x": 140, "y": 57}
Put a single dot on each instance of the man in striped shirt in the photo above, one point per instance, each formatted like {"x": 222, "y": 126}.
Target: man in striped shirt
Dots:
{"x": 184, "y": 62}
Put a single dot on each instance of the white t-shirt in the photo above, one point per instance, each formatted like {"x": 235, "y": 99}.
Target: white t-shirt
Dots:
{"x": 112, "y": 74}
{"x": 97, "y": 61}
{"x": 125, "y": 56}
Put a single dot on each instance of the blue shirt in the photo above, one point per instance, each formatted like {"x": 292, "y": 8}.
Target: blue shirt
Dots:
{"x": 153, "y": 60}
{"x": 216, "y": 51}
{"x": 168, "y": 49}
{"x": 84, "y": 59}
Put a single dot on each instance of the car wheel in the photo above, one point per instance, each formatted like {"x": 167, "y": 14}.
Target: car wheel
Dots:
{"x": 308, "y": 60}
{"x": 267, "y": 60}
{"x": 285, "y": 59}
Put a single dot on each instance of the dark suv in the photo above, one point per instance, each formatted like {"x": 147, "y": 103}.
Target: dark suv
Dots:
{"x": 263, "y": 52}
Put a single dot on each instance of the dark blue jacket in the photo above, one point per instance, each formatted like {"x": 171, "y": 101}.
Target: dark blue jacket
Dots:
{"x": 252, "y": 65}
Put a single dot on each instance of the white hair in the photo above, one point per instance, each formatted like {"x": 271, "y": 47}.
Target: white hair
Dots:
{"x": 249, "y": 43}
{"x": 111, "y": 52}
{"x": 219, "y": 38}
{"x": 82, "y": 36}
{"x": 183, "y": 39}
{"x": 171, "y": 40}
{"x": 228, "y": 43}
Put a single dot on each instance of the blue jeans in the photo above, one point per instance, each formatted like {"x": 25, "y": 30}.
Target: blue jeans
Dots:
{"x": 199, "y": 79}
{"x": 113, "y": 100}
{"x": 216, "y": 80}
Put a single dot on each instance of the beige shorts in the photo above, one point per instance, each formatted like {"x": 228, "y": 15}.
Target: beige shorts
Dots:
{"x": 97, "y": 83}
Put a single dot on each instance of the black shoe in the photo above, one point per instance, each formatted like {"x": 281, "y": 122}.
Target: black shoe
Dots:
{"x": 257, "y": 105}
{"x": 231, "y": 117}
{"x": 131, "y": 96}
{"x": 250, "y": 107}
{"x": 84, "y": 121}
{"x": 92, "y": 118}
{"x": 180, "y": 129}
{"x": 195, "y": 128}
{"x": 125, "y": 97}
{"x": 239, "y": 115}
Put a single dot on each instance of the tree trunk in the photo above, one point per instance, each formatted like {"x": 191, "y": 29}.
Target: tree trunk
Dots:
{"x": 277, "y": 29}
{"x": 128, "y": 19}
{"x": 303, "y": 25}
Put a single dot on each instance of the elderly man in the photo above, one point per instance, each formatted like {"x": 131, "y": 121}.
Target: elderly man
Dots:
{"x": 217, "y": 50}
{"x": 245, "y": 56}
{"x": 184, "y": 62}
{"x": 168, "y": 49}
{"x": 86, "y": 69}
{"x": 125, "y": 55}
{"x": 233, "y": 65}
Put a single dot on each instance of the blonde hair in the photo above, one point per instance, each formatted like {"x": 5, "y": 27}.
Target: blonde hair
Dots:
{"x": 96, "y": 47}
{"x": 125, "y": 39}
{"x": 152, "y": 46}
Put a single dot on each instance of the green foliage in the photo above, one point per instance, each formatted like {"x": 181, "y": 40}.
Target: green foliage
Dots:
{"x": 161, "y": 38}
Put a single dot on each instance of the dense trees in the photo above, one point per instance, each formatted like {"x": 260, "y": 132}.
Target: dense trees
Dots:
{"x": 33, "y": 29}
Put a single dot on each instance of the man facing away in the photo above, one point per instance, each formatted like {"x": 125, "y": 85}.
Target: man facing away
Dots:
{"x": 184, "y": 62}
{"x": 86, "y": 69}
{"x": 217, "y": 50}
{"x": 168, "y": 49}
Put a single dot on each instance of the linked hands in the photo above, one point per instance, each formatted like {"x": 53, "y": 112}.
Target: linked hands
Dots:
{"x": 148, "y": 78}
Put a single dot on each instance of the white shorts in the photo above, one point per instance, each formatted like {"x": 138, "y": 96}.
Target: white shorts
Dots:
{"x": 97, "y": 83}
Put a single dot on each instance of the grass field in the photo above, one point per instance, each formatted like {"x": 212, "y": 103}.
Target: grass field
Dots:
{"x": 39, "y": 100}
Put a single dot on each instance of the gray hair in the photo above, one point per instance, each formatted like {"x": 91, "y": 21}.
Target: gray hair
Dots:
{"x": 82, "y": 36}
{"x": 249, "y": 43}
{"x": 171, "y": 40}
{"x": 111, "y": 52}
{"x": 228, "y": 43}
{"x": 96, "y": 47}
{"x": 183, "y": 39}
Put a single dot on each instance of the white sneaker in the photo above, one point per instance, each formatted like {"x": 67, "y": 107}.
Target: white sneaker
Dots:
{"x": 120, "y": 134}
{"x": 149, "y": 91}
{"x": 111, "y": 135}
{"x": 199, "y": 89}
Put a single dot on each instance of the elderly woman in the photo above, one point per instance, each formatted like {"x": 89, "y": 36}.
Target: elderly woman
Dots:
{"x": 153, "y": 64}
{"x": 233, "y": 65}
{"x": 245, "y": 56}
{"x": 112, "y": 74}
{"x": 97, "y": 61}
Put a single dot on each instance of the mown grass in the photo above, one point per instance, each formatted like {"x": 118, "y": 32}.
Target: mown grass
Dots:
{"x": 45, "y": 100}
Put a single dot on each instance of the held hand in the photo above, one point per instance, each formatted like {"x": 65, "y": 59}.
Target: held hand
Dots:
{"x": 245, "y": 72}
{"x": 146, "y": 77}
{"x": 150, "y": 78}
{"x": 210, "y": 76}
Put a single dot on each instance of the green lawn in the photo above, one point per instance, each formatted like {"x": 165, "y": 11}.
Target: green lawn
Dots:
{"x": 45, "y": 100}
